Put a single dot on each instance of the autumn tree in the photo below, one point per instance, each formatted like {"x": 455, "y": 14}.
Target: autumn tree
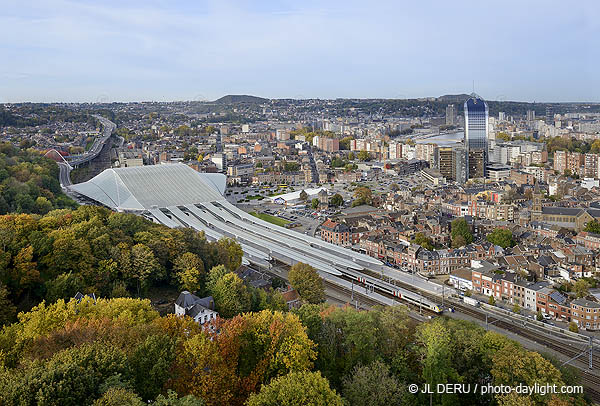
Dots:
{"x": 581, "y": 288}
{"x": 307, "y": 281}
{"x": 189, "y": 271}
{"x": 25, "y": 271}
{"x": 362, "y": 195}
{"x": 296, "y": 388}
{"x": 458, "y": 241}
{"x": 514, "y": 365}
{"x": 231, "y": 253}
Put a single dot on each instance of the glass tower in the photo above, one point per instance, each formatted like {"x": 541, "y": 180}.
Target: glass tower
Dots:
{"x": 476, "y": 137}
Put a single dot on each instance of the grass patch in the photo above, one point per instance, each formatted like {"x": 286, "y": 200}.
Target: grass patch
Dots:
{"x": 271, "y": 219}
{"x": 255, "y": 197}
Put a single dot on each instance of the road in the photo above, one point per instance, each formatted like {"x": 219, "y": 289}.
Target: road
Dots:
{"x": 65, "y": 168}
{"x": 107, "y": 129}
{"x": 64, "y": 176}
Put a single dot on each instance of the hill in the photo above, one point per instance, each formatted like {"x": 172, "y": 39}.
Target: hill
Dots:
{"x": 453, "y": 98}
{"x": 240, "y": 98}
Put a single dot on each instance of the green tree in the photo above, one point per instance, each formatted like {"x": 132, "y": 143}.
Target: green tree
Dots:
{"x": 69, "y": 378}
{"x": 215, "y": 273}
{"x": 458, "y": 241}
{"x": 310, "y": 317}
{"x": 303, "y": 195}
{"x": 306, "y": 280}
{"x": 42, "y": 205}
{"x": 64, "y": 286}
{"x": 592, "y": 227}
{"x": 172, "y": 399}
{"x": 423, "y": 241}
{"x": 345, "y": 143}
{"x": 231, "y": 253}
{"x": 143, "y": 263}
{"x": 373, "y": 385}
{"x": 436, "y": 349}
{"x": 539, "y": 316}
{"x": 581, "y": 288}
{"x": 492, "y": 300}
{"x": 296, "y": 388}
{"x": 116, "y": 396}
{"x": 502, "y": 237}
{"x": 231, "y": 296}
{"x": 8, "y": 310}
{"x": 516, "y": 308}
{"x": 460, "y": 227}
{"x": 573, "y": 327}
{"x": 336, "y": 200}
{"x": 364, "y": 156}
{"x": 150, "y": 364}
{"x": 314, "y": 203}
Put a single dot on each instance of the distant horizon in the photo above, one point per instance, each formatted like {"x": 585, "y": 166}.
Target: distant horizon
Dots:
{"x": 291, "y": 98}
{"x": 92, "y": 51}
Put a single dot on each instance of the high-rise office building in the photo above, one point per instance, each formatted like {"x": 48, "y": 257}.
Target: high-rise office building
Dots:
{"x": 450, "y": 114}
{"x": 549, "y": 115}
{"x": 459, "y": 172}
{"x": 530, "y": 115}
{"x": 450, "y": 161}
{"x": 476, "y": 136}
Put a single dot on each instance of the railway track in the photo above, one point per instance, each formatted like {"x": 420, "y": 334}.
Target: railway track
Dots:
{"x": 590, "y": 381}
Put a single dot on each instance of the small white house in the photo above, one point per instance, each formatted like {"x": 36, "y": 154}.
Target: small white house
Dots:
{"x": 461, "y": 279}
{"x": 202, "y": 310}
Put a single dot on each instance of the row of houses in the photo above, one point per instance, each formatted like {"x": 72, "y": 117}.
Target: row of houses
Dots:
{"x": 490, "y": 280}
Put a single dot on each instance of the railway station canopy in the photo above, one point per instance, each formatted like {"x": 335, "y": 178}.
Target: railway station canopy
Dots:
{"x": 155, "y": 186}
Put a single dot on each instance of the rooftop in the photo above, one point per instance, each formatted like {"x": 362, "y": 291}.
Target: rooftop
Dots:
{"x": 152, "y": 186}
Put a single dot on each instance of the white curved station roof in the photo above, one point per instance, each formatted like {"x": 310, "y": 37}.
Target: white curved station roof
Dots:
{"x": 150, "y": 187}
{"x": 176, "y": 195}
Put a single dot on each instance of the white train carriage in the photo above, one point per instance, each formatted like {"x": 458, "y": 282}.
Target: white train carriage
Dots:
{"x": 396, "y": 291}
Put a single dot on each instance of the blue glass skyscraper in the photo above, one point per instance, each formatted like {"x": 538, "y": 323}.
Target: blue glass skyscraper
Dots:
{"x": 476, "y": 136}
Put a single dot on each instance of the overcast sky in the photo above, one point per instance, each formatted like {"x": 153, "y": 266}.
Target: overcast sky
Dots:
{"x": 163, "y": 50}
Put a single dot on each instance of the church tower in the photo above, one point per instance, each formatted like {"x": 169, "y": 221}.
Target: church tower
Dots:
{"x": 536, "y": 208}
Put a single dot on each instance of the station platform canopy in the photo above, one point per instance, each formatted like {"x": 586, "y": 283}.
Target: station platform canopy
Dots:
{"x": 155, "y": 186}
